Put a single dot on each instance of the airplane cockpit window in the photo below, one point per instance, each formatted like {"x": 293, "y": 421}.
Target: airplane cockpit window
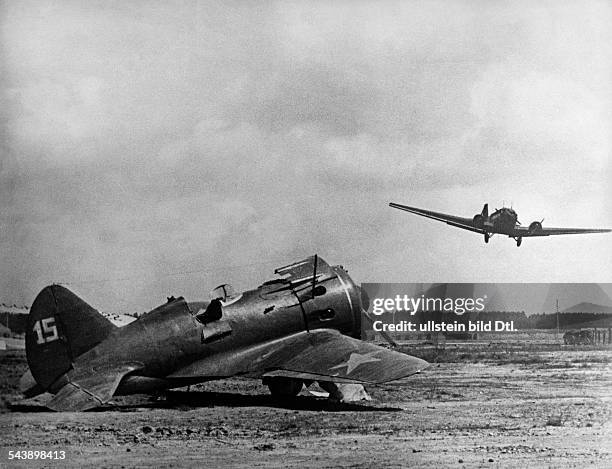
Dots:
{"x": 213, "y": 312}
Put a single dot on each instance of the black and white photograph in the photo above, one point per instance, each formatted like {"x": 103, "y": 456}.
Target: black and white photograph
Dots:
{"x": 306, "y": 233}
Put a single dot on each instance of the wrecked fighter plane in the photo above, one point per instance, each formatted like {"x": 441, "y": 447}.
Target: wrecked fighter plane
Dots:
{"x": 293, "y": 330}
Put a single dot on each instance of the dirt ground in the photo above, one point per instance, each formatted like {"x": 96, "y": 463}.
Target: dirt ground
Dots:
{"x": 530, "y": 409}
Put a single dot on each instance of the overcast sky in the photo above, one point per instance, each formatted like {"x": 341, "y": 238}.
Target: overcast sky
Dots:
{"x": 156, "y": 148}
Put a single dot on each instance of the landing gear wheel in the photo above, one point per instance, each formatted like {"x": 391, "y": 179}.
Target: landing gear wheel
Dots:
{"x": 284, "y": 387}
{"x": 518, "y": 242}
{"x": 487, "y": 237}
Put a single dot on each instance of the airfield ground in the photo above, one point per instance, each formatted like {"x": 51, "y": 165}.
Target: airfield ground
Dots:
{"x": 486, "y": 405}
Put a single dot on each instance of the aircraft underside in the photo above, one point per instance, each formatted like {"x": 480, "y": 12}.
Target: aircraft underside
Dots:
{"x": 518, "y": 239}
{"x": 503, "y": 221}
{"x": 279, "y": 387}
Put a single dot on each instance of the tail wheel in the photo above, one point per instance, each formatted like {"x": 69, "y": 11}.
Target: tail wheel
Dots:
{"x": 487, "y": 237}
{"x": 519, "y": 241}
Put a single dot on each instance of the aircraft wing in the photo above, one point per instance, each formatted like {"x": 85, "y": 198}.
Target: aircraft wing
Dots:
{"x": 459, "y": 222}
{"x": 524, "y": 231}
{"x": 89, "y": 388}
{"x": 321, "y": 355}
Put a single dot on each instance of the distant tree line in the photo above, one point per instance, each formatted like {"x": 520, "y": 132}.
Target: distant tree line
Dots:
{"x": 14, "y": 321}
{"x": 570, "y": 320}
{"x": 521, "y": 320}
{"x": 547, "y": 320}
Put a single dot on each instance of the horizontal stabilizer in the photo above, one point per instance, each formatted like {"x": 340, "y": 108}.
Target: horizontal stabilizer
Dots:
{"x": 28, "y": 385}
{"x": 73, "y": 398}
{"x": 89, "y": 388}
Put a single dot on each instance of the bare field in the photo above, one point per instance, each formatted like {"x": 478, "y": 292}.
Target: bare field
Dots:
{"x": 518, "y": 408}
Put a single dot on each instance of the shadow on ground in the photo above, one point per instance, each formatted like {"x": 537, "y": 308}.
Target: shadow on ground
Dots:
{"x": 187, "y": 399}
{"x": 215, "y": 399}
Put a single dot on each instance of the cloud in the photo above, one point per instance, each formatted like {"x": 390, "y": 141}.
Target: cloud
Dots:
{"x": 149, "y": 139}
{"x": 555, "y": 116}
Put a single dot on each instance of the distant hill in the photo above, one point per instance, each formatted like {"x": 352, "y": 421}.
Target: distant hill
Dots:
{"x": 586, "y": 307}
{"x": 536, "y": 297}
{"x": 575, "y": 294}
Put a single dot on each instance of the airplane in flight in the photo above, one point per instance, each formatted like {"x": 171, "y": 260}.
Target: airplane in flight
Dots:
{"x": 503, "y": 221}
{"x": 290, "y": 331}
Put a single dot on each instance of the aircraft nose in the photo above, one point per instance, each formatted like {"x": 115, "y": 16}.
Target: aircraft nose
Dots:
{"x": 353, "y": 300}
{"x": 365, "y": 298}
{"x": 364, "y": 305}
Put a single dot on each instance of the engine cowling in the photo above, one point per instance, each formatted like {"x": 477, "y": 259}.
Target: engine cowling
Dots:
{"x": 478, "y": 220}
{"x": 535, "y": 227}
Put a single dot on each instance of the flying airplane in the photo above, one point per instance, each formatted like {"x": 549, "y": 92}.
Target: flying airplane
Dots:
{"x": 293, "y": 330}
{"x": 503, "y": 221}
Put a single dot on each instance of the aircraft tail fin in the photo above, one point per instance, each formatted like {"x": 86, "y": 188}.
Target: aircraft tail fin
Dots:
{"x": 485, "y": 211}
{"x": 61, "y": 326}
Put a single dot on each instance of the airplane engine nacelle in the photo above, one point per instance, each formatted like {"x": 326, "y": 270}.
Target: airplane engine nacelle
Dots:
{"x": 535, "y": 227}
{"x": 478, "y": 220}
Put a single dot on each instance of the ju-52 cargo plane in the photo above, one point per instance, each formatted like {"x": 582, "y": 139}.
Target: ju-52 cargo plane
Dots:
{"x": 293, "y": 330}
{"x": 503, "y": 221}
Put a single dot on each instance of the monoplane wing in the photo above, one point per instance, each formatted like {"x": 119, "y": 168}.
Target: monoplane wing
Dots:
{"x": 89, "y": 388}
{"x": 525, "y": 231}
{"x": 322, "y": 355}
{"x": 459, "y": 222}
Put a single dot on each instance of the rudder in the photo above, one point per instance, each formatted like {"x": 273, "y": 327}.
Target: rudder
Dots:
{"x": 61, "y": 326}
{"x": 485, "y": 211}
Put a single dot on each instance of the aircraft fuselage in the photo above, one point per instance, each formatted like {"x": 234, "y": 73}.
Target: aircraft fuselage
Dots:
{"x": 502, "y": 221}
{"x": 178, "y": 334}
